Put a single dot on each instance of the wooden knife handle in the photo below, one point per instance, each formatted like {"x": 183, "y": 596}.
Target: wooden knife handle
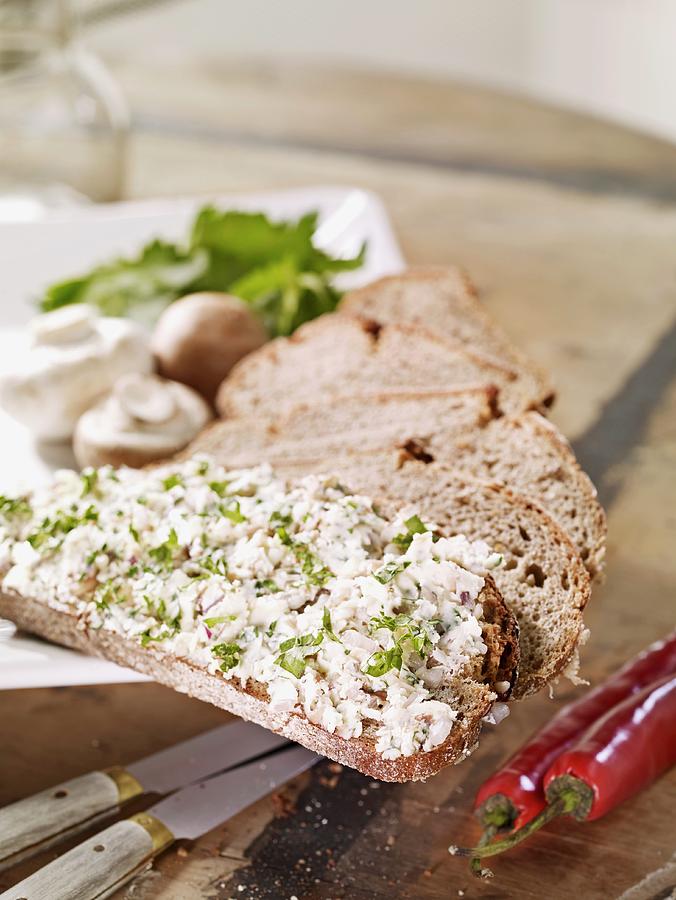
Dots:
{"x": 99, "y": 866}
{"x": 37, "y": 822}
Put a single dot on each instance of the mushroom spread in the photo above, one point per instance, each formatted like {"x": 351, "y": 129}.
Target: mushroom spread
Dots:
{"x": 144, "y": 418}
{"x": 72, "y": 358}
{"x": 357, "y": 620}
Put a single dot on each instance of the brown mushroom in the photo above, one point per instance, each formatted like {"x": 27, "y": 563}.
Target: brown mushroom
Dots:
{"x": 199, "y": 338}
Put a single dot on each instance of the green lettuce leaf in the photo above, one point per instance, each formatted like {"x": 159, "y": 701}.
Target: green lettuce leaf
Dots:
{"x": 274, "y": 266}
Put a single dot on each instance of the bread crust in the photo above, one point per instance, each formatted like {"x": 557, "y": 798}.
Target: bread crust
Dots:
{"x": 251, "y": 703}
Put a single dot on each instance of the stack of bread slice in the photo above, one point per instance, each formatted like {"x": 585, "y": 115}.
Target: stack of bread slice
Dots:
{"x": 411, "y": 395}
{"x": 390, "y": 394}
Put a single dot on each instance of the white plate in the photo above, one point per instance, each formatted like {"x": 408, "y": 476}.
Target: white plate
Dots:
{"x": 67, "y": 242}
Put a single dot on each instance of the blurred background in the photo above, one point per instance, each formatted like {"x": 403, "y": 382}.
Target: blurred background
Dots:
{"x": 351, "y": 76}
{"x": 614, "y": 58}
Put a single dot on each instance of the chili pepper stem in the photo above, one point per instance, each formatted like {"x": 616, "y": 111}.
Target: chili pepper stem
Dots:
{"x": 565, "y": 804}
{"x": 498, "y": 813}
{"x": 475, "y": 866}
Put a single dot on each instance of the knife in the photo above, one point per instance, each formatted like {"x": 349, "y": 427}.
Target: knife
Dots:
{"x": 37, "y": 822}
{"x": 100, "y": 865}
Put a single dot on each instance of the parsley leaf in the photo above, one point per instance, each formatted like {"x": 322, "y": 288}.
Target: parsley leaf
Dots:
{"x": 230, "y": 654}
{"x": 219, "y": 487}
{"x": 218, "y": 620}
{"x": 214, "y": 566}
{"x": 311, "y": 565}
{"x": 164, "y": 553}
{"x": 328, "y": 627}
{"x": 390, "y": 571}
{"x": 409, "y": 636}
{"x": 266, "y": 586}
{"x": 90, "y": 482}
{"x": 273, "y": 266}
{"x": 304, "y": 646}
{"x": 414, "y": 525}
{"x": 172, "y": 481}
{"x": 62, "y": 524}
{"x": 382, "y": 661}
{"x": 14, "y": 506}
{"x": 233, "y": 513}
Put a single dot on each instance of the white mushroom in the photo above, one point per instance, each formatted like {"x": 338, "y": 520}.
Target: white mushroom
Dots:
{"x": 71, "y": 358}
{"x": 145, "y": 418}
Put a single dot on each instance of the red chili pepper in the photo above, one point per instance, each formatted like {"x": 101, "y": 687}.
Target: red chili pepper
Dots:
{"x": 514, "y": 794}
{"x": 625, "y": 751}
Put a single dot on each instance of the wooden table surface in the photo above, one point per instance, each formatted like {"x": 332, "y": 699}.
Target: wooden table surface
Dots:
{"x": 568, "y": 226}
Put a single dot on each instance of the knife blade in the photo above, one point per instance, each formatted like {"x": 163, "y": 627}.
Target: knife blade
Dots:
{"x": 37, "y": 822}
{"x": 99, "y": 866}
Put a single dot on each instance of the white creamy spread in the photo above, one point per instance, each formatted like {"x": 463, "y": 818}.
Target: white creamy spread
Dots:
{"x": 355, "y": 620}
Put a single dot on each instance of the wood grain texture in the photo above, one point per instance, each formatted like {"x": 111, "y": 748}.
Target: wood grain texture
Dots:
{"x": 30, "y": 822}
{"x": 568, "y": 227}
{"x": 93, "y": 869}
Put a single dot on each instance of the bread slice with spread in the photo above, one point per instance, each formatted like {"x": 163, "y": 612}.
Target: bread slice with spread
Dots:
{"x": 294, "y": 603}
{"x": 542, "y": 578}
{"x": 337, "y": 355}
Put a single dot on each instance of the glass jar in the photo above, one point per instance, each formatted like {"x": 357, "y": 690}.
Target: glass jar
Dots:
{"x": 63, "y": 121}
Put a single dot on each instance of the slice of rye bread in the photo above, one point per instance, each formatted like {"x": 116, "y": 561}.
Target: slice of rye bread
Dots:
{"x": 461, "y": 428}
{"x": 542, "y": 580}
{"x": 443, "y": 300}
{"x": 470, "y": 693}
{"x": 336, "y": 355}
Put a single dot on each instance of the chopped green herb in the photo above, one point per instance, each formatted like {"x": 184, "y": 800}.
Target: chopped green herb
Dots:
{"x": 414, "y": 525}
{"x": 134, "y": 533}
{"x": 311, "y": 566}
{"x": 390, "y": 571}
{"x": 203, "y": 467}
{"x": 107, "y": 593}
{"x": 382, "y": 661}
{"x": 214, "y": 566}
{"x": 164, "y": 553}
{"x": 62, "y": 524}
{"x": 408, "y": 635}
{"x": 172, "y": 481}
{"x": 282, "y": 519}
{"x": 272, "y": 628}
{"x": 14, "y": 506}
{"x": 219, "y": 487}
{"x": 284, "y": 537}
{"x": 266, "y": 586}
{"x": 218, "y": 620}
{"x": 304, "y": 646}
{"x": 90, "y": 482}
{"x": 233, "y": 513}
{"x": 230, "y": 655}
{"x": 328, "y": 627}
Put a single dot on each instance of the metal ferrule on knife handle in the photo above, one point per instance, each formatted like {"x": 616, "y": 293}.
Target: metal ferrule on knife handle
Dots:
{"x": 100, "y": 865}
{"x": 38, "y": 822}
{"x": 158, "y": 831}
{"x": 127, "y": 786}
